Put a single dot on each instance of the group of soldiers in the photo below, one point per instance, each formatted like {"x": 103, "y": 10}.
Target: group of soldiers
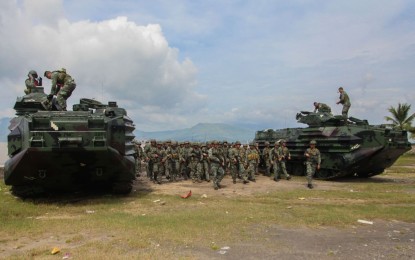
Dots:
{"x": 209, "y": 161}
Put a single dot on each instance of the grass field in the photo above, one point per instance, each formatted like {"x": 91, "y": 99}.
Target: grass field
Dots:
{"x": 154, "y": 225}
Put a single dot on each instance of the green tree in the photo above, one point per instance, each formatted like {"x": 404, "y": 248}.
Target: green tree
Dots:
{"x": 401, "y": 119}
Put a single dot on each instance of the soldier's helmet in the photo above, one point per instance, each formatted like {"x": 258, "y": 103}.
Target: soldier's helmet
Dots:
{"x": 237, "y": 143}
{"x": 313, "y": 142}
{"x": 33, "y": 73}
{"x": 277, "y": 143}
{"x": 282, "y": 141}
{"x": 266, "y": 143}
{"x": 252, "y": 144}
{"x": 153, "y": 141}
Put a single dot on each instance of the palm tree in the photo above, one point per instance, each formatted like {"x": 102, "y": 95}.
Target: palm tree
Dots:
{"x": 400, "y": 118}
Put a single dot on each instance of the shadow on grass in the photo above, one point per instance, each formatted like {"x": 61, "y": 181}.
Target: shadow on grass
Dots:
{"x": 376, "y": 179}
{"x": 89, "y": 194}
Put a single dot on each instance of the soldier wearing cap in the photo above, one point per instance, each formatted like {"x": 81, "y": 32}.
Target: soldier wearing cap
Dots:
{"x": 184, "y": 160}
{"x": 284, "y": 155}
{"x": 321, "y": 108}
{"x": 216, "y": 163}
{"x": 32, "y": 82}
{"x": 345, "y": 101}
{"x": 194, "y": 164}
{"x": 274, "y": 156}
{"x": 149, "y": 150}
{"x": 313, "y": 161}
{"x": 205, "y": 162}
{"x": 252, "y": 158}
{"x": 173, "y": 161}
{"x": 138, "y": 155}
{"x": 266, "y": 159}
{"x": 62, "y": 86}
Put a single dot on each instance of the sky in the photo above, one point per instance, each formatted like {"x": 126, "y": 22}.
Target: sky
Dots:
{"x": 173, "y": 64}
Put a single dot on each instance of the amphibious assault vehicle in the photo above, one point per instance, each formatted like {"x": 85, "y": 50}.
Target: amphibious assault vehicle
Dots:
{"x": 348, "y": 148}
{"x": 85, "y": 148}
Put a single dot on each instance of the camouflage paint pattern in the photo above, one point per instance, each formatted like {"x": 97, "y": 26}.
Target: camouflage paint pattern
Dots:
{"x": 67, "y": 150}
{"x": 355, "y": 148}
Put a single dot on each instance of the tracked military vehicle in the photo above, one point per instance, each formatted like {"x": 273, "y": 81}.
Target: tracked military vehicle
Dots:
{"x": 352, "y": 148}
{"x": 85, "y": 148}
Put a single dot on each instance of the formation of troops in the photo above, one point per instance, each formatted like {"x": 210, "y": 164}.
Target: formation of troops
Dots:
{"x": 209, "y": 161}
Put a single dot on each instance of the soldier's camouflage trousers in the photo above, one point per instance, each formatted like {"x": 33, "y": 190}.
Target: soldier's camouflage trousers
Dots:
{"x": 217, "y": 174}
{"x": 276, "y": 169}
{"x": 311, "y": 170}
{"x": 195, "y": 170}
{"x": 64, "y": 93}
{"x": 250, "y": 171}
{"x": 283, "y": 169}
{"x": 173, "y": 169}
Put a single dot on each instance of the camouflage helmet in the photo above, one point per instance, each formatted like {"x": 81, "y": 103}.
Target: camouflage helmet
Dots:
{"x": 237, "y": 142}
{"x": 313, "y": 142}
{"x": 277, "y": 142}
{"x": 32, "y": 72}
{"x": 251, "y": 144}
{"x": 153, "y": 141}
{"x": 266, "y": 143}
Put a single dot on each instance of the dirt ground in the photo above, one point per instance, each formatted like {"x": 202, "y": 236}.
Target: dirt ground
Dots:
{"x": 380, "y": 240}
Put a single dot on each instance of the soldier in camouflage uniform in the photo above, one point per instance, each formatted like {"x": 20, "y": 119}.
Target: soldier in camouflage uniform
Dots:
{"x": 274, "y": 157}
{"x": 345, "y": 101}
{"x": 321, "y": 108}
{"x": 284, "y": 155}
{"x": 166, "y": 146}
{"x": 62, "y": 86}
{"x": 217, "y": 164}
{"x": 139, "y": 155}
{"x": 147, "y": 148}
{"x": 205, "y": 162}
{"x": 251, "y": 159}
{"x": 32, "y": 82}
{"x": 259, "y": 157}
{"x": 235, "y": 160}
{"x": 313, "y": 161}
{"x": 173, "y": 161}
{"x": 194, "y": 164}
{"x": 225, "y": 153}
{"x": 186, "y": 160}
{"x": 266, "y": 159}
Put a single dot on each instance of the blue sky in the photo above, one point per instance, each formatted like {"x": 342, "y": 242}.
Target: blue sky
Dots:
{"x": 173, "y": 64}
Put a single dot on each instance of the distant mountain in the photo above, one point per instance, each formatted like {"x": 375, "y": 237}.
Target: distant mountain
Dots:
{"x": 200, "y": 133}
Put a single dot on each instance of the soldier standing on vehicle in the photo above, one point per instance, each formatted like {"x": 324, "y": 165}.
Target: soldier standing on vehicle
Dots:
{"x": 284, "y": 155}
{"x": 274, "y": 157}
{"x": 345, "y": 101}
{"x": 62, "y": 86}
{"x": 321, "y": 108}
{"x": 266, "y": 159}
{"x": 313, "y": 161}
{"x": 32, "y": 82}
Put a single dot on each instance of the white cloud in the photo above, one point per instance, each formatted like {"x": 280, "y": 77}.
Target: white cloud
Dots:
{"x": 113, "y": 59}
